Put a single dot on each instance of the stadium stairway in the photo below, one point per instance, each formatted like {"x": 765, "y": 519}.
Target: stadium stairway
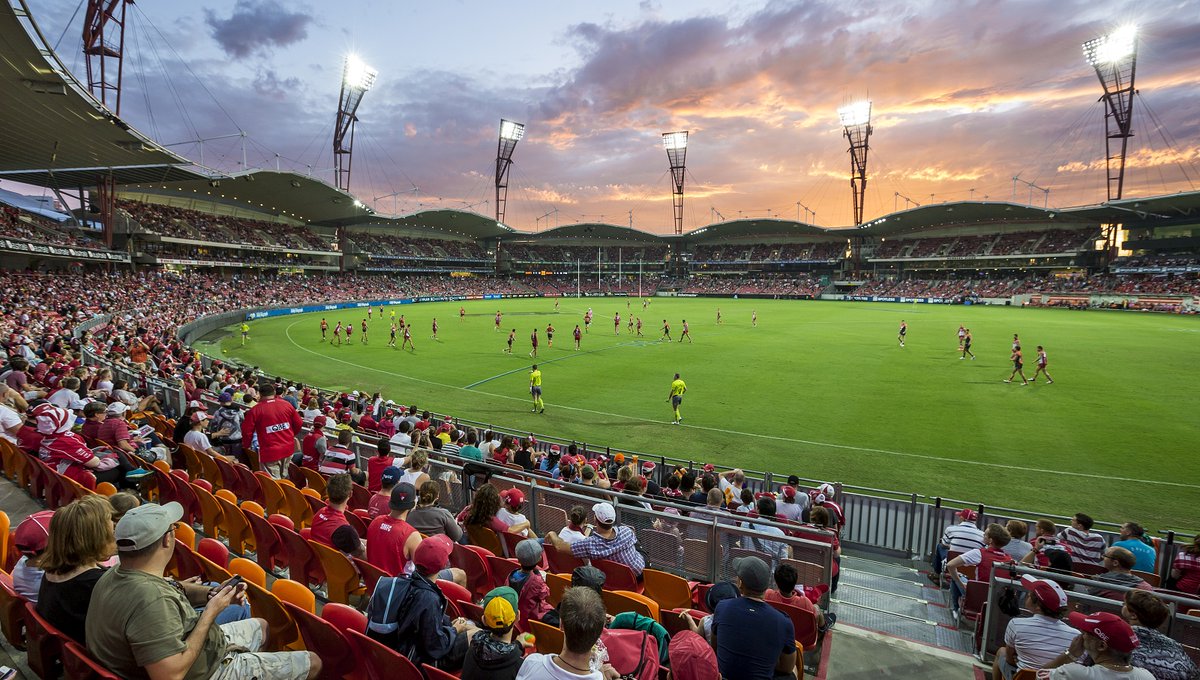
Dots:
{"x": 893, "y": 597}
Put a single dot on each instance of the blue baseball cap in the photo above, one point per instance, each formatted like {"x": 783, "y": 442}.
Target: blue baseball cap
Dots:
{"x": 391, "y": 475}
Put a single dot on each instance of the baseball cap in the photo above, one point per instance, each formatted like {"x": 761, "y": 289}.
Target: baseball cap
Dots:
{"x": 199, "y": 417}
{"x": 789, "y": 492}
{"x": 1049, "y": 593}
{"x": 1109, "y": 627}
{"x": 145, "y": 524}
{"x": 225, "y": 398}
{"x": 619, "y": 458}
{"x": 197, "y": 404}
{"x": 753, "y": 572}
{"x": 709, "y": 467}
{"x": 499, "y": 608}
{"x": 588, "y": 576}
{"x": 116, "y": 408}
{"x": 723, "y": 590}
{"x": 404, "y": 497}
{"x": 391, "y": 474}
{"x": 648, "y": 467}
{"x": 605, "y": 513}
{"x": 529, "y": 552}
{"x": 827, "y": 489}
{"x": 319, "y": 422}
{"x": 32, "y": 532}
{"x": 346, "y": 417}
{"x": 432, "y": 553}
{"x": 513, "y": 497}
{"x": 967, "y": 515}
{"x": 692, "y": 658}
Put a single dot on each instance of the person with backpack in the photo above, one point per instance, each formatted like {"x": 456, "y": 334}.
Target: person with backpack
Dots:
{"x": 408, "y": 613}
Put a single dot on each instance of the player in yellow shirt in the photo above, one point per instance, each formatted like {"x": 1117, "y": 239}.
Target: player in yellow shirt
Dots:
{"x": 535, "y": 388}
{"x": 245, "y": 333}
{"x": 676, "y": 397}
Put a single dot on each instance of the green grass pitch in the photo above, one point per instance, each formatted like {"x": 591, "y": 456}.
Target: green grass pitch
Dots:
{"x": 821, "y": 389}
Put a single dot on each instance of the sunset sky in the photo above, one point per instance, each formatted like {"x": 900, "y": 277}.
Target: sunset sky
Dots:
{"x": 966, "y": 95}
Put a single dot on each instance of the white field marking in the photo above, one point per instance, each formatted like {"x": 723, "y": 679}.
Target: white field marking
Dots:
{"x": 757, "y": 435}
{"x": 539, "y": 362}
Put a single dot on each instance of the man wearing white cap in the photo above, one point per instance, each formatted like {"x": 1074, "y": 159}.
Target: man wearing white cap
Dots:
{"x": 607, "y": 541}
{"x": 140, "y": 625}
{"x": 1034, "y": 641}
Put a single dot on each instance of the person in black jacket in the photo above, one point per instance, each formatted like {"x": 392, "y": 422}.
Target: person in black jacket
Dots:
{"x": 494, "y": 654}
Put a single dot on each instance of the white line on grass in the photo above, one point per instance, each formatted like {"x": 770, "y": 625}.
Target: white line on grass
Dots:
{"x": 757, "y": 435}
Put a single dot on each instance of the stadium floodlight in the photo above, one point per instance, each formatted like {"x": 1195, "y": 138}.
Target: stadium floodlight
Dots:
{"x": 510, "y": 134}
{"x": 1114, "y": 56}
{"x": 676, "y": 145}
{"x": 858, "y": 113}
{"x": 357, "y": 78}
{"x": 856, "y": 127}
{"x": 104, "y": 50}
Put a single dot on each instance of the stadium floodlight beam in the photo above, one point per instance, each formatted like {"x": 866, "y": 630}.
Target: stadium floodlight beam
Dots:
{"x": 676, "y": 145}
{"x": 357, "y": 78}
{"x": 856, "y": 127}
{"x": 1114, "y": 56}
{"x": 510, "y": 134}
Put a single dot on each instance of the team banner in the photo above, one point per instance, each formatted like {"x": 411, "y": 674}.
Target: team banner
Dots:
{"x": 876, "y": 298}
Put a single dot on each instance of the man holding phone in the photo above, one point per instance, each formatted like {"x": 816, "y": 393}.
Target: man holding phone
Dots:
{"x": 140, "y": 625}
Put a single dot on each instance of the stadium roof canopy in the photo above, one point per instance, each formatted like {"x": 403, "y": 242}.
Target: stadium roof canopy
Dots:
{"x": 54, "y": 133}
{"x": 750, "y": 228}
{"x": 1149, "y": 211}
{"x": 589, "y": 230}
{"x": 963, "y": 213}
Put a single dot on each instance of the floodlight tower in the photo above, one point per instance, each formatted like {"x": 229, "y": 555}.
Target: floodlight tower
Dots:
{"x": 1114, "y": 56}
{"x": 104, "y": 50}
{"x": 856, "y": 127}
{"x": 676, "y": 145}
{"x": 510, "y": 134}
{"x": 357, "y": 78}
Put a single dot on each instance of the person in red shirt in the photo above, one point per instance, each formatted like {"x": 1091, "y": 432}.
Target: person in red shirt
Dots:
{"x": 786, "y": 578}
{"x": 379, "y": 503}
{"x": 390, "y": 539}
{"x": 378, "y": 463}
{"x": 312, "y": 449}
{"x": 93, "y": 414}
{"x": 278, "y": 427}
{"x": 333, "y": 515}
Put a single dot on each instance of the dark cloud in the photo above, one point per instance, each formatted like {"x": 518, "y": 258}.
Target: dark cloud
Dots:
{"x": 257, "y": 26}
{"x": 268, "y": 83}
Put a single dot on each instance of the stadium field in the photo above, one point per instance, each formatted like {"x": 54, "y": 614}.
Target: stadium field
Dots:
{"x": 821, "y": 389}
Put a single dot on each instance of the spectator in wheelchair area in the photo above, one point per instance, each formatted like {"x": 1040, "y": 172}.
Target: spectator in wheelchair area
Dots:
{"x": 1034, "y": 641}
{"x": 982, "y": 559}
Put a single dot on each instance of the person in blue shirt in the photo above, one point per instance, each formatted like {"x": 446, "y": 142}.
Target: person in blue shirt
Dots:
{"x": 754, "y": 641}
{"x": 1133, "y": 539}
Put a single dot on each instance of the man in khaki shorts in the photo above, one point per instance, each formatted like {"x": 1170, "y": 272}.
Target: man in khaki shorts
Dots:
{"x": 141, "y": 625}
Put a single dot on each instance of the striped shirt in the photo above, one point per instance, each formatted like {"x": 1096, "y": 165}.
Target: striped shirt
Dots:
{"x": 1085, "y": 547}
{"x": 1189, "y": 564}
{"x": 962, "y": 537}
{"x": 1038, "y": 639}
{"x": 337, "y": 459}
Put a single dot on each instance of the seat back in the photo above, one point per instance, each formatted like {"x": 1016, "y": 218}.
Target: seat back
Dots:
{"x": 360, "y": 497}
{"x": 453, "y": 591}
{"x": 323, "y": 639}
{"x": 485, "y": 538}
{"x": 185, "y": 494}
{"x": 617, "y": 576}
{"x": 12, "y": 613}
{"x": 313, "y": 480}
{"x": 267, "y": 546}
{"x": 210, "y": 509}
{"x": 479, "y": 576}
{"x": 191, "y": 459}
{"x": 297, "y": 506}
{"x": 470, "y": 610}
{"x": 5, "y": 544}
{"x": 236, "y": 527}
{"x": 272, "y": 492}
{"x": 344, "y": 618}
{"x": 232, "y": 481}
{"x": 382, "y": 662}
{"x": 341, "y": 578}
{"x": 184, "y": 533}
{"x": 79, "y": 665}
{"x": 547, "y": 639}
{"x": 501, "y": 568}
{"x": 805, "y": 623}
{"x": 184, "y": 563}
{"x": 558, "y": 584}
{"x": 974, "y": 600}
{"x": 434, "y": 673}
{"x": 620, "y": 601}
{"x": 295, "y": 593}
{"x": 43, "y": 645}
{"x": 269, "y": 607}
{"x": 560, "y": 562}
{"x": 249, "y": 571}
{"x": 303, "y": 564}
{"x": 215, "y": 551}
{"x": 675, "y": 620}
{"x": 370, "y": 574}
{"x": 668, "y": 590}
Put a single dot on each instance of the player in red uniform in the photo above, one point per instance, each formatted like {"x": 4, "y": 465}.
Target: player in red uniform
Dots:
{"x": 639, "y": 327}
{"x": 408, "y": 338}
{"x": 337, "y": 334}
{"x": 435, "y": 337}
{"x": 363, "y": 338}
{"x": 578, "y": 336}
{"x": 324, "y": 329}
{"x": 498, "y": 315}
{"x": 1041, "y": 367}
{"x": 687, "y": 333}
{"x": 349, "y": 330}
{"x": 533, "y": 340}
{"x": 617, "y": 323}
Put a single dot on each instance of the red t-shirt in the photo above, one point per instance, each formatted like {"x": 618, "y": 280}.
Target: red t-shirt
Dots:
{"x": 385, "y": 543}
{"x": 29, "y": 439}
{"x": 309, "y": 457}
{"x": 367, "y": 423}
{"x": 114, "y": 430}
{"x": 379, "y": 505}
{"x": 796, "y": 600}
{"x": 277, "y": 425}
{"x": 375, "y": 467}
{"x": 66, "y": 453}
{"x": 325, "y": 522}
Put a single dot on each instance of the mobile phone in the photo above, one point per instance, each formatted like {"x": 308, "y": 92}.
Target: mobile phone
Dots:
{"x": 233, "y": 582}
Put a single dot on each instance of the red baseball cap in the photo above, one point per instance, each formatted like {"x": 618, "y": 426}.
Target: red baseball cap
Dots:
{"x": 709, "y": 467}
{"x": 513, "y": 497}
{"x": 789, "y": 492}
{"x": 1049, "y": 593}
{"x": 1109, "y": 627}
{"x": 346, "y": 417}
{"x": 32, "y": 533}
{"x": 967, "y": 514}
{"x": 433, "y": 553}
{"x": 319, "y": 422}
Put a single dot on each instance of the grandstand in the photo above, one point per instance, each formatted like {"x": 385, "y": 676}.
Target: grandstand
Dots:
{"x": 182, "y": 250}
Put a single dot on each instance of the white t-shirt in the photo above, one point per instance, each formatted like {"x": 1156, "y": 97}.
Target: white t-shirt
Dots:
{"x": 513, "y": 518}
{"x": 570, "y": 535}
{"x": 197, "y": 440}
{"x": 27, "y": 579}
{"x": 542, "y": 667}
{"x": 793, "y": 511}
{"x": 8, "y": 420}
{"x": 1074, "y": 671}
{"x": 105, "y": 386}
{"x": 67, "y": 399}
{"x": 1038, "y": 639}
{"x": 402, "y": 440}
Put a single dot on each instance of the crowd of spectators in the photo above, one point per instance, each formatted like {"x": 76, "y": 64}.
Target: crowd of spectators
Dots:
{"x": 201, "y": 226}
{"x": 233, "y": 257}
{"x": 1001, "y": 286}
{"x": 388, "y": 246}
{"x": 758, "y": 253}
{"x": 790, "y": 284}
{"x": 1050, "y": 242}
{"x": 19, "y": 224}
{"x": 527, "y": 253}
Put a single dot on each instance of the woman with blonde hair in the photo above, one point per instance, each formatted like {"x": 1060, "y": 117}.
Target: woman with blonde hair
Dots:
{"x": 81, "y": 539}
{"x": 414, "y": 472}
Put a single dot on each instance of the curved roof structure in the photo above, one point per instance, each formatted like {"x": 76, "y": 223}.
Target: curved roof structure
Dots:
{"x": 589, "y": 230}
{"x": 755, "y": 227}
{"x": 55, "y": 134}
